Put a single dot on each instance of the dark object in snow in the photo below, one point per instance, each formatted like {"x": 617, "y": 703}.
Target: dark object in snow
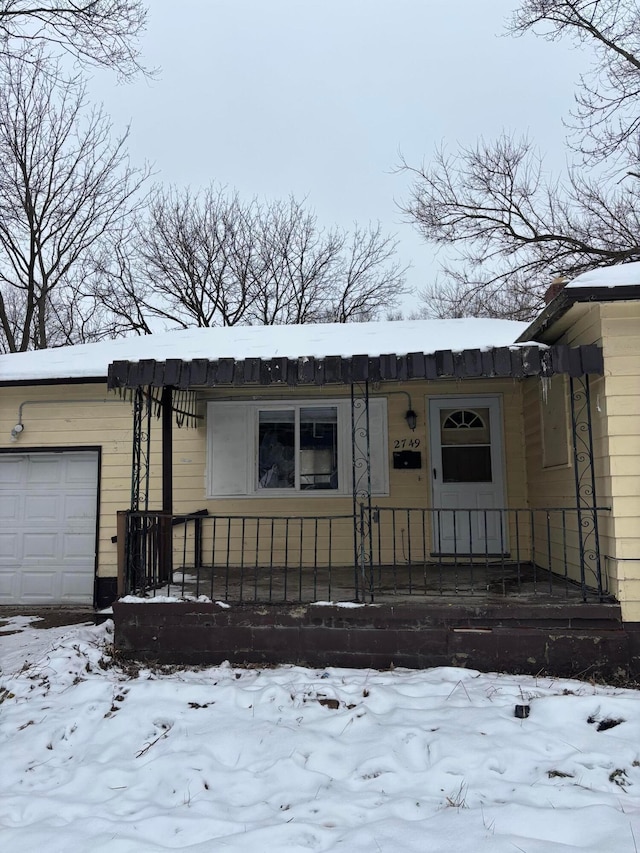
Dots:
{"x": 607, "y": 723}
{"x": 522, "y": 711}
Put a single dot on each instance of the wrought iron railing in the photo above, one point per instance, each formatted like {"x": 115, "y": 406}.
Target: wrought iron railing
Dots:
{"x": 427, "y": 552}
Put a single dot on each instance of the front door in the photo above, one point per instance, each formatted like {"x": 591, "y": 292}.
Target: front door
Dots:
{"x": 466, "y": 475}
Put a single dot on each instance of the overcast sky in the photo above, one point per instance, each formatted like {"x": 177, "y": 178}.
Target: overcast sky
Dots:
{"x": 319, "y": 97}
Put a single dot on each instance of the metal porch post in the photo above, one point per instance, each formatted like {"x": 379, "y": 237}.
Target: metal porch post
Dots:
{"x": 585, "y": 481}
{"x": 140, "y": 451}
{"x": 361, "y": 481}
{"x": 166, "y": 526}
{"x": 135, "y": 539}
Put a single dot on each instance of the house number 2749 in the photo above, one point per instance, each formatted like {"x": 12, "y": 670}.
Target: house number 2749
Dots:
{"x": 402, "y": 443}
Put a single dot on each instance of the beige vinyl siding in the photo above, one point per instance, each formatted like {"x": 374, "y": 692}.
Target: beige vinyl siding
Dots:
{"x": 615, "y": 414}
{"x": 621, "y": 345}
{"x": 58, "y": 416}
{"x": 555, "y": 486}
{"x": 406, "y": 487}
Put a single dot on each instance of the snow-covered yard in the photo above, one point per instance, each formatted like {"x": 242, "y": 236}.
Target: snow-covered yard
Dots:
{"x": 100, "y": 758}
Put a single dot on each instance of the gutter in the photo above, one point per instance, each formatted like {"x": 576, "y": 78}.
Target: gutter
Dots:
{"x": 76, "y": 380}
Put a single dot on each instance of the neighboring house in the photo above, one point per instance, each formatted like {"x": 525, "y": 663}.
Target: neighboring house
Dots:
{"x": 476, "y": 481}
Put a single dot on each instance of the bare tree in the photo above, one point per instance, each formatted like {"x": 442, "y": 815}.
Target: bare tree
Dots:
{"x": 188, "y": 255}
{"x": 371, "y": 281}
{"x": 297, "y": 261}
{"x": 110, "y": 284}
{"x": 310, "y": 274}
{"x": 510, "y": 226}
{"x": 606, "y": 120}
{"x": 94, "y": 32}
{"x": 65, "y": 188}
{"x": 457, "y": 297}
{"x": 208, "y": 259}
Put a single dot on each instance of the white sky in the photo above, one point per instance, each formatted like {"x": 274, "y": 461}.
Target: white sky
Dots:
{"x": 318, "y": 97}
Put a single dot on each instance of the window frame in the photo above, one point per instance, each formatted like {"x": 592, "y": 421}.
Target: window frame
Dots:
{"x": 297, "y": 407}
{"x": 252, "y": 409}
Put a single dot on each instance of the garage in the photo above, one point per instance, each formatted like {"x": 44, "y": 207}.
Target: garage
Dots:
{"x": 48, "y": 510}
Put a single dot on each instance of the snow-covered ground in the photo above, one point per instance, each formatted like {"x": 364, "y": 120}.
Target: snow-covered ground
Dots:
{"x": 99, "y": 758}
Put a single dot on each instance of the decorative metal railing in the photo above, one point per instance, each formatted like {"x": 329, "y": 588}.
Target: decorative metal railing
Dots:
{"x": 551, "y": 551}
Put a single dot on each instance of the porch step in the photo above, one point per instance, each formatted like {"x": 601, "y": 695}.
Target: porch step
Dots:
{"x": 561, "y": 640}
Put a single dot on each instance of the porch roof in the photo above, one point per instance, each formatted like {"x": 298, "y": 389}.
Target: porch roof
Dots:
{"x": 517, "y": 362}
{"x": 325, "y": 354}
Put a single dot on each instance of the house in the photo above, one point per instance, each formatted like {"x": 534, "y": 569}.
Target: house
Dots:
{"x": 412, "y": 492}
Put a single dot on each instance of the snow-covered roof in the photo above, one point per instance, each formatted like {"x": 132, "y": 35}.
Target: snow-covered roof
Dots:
{"x": 616, "y": 276}
{"x": 240, "y": 342}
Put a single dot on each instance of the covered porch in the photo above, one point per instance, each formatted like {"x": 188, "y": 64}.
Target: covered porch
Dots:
{"x": 364, "y": 550}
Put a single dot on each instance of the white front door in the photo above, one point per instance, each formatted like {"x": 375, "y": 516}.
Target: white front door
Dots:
{"x": 467, "y": 475}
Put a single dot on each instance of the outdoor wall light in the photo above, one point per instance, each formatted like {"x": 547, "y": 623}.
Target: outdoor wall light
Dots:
{"x": 411, "y": 418}
{"x": 15, "y": 432}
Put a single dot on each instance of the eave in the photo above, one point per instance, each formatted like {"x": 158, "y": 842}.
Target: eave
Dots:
{"x": 568, "y": 297}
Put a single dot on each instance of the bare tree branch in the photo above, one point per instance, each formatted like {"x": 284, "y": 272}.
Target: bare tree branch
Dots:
{"x": 65, "y": 188}
{"x": 509, "y": 225}
{"x": 606, "y": 121}
{"x": 94, "y": 32}
{"x": 371, "y": 281}
{"x": 209, "y": 259}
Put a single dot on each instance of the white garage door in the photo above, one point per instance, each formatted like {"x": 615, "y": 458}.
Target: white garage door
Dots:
{"x": 48, "y": 505}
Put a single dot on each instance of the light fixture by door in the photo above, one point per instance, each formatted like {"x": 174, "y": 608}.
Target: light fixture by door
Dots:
{"x": 411, "y": 418}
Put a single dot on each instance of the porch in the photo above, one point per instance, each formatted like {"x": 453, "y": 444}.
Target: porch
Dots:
{"x": 549, "y": 554}
{"x": 272, "y": 590}
{"x": 513, "y": 635}
{"x": 468, "y": 541}
{"x": 426, "y": 555}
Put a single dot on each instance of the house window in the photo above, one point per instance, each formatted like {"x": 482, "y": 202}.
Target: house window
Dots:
{"x": 466, "y": 445}
{"x": 298, "y": 448}
{"x": 280, "y": 449}
{"x": 554, "y": 418}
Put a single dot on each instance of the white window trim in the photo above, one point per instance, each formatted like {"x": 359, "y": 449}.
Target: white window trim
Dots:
{"x": 253, "y": 407}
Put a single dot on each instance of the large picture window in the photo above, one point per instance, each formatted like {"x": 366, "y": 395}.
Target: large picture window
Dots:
{"x": 272, "y": 449}
{"x": 298, "y": 448}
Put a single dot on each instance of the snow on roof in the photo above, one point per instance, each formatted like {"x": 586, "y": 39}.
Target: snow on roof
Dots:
{"x": 266, "y": 342}
{"x": 616, "y": 276}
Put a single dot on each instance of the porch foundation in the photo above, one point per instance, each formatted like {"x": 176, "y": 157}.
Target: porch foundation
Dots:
{"x": 548, "y": 639}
